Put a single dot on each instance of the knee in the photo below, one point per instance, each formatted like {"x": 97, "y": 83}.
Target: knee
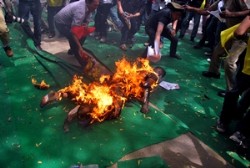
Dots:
{"x": 229, "y": 64}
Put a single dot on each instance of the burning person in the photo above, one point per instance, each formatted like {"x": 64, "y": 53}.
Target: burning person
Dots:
{"x": 104, "y": 99}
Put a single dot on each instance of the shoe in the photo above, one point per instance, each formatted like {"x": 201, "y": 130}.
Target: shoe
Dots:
{"x": 51, "y": 35}
{"x": 130, "y": 43}
{"x": 8, "y": 51}
{"x": 221, "y": 127}
{"x": 198, "y": 46}
{"x": 44, "y": 30}
{"x": 103, "y": 40}
{"x": 97, "y": 37}
{"x": 192, "y": 39}
{"x": 210, "y": 74}
{"x": 222, "y": 93}
{"x": 240, "y": 139}
{"x": 176, "y": 57}
{"x": 146, "y": 44}
{"x": 181, "y": 36}
{"x": 123, "y": 47}
{"x": 39, "y": 48}
{"x": 208, "y": 54}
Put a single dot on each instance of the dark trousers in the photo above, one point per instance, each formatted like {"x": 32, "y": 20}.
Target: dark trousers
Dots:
{"x": 52, "y": 11}
{"x": 244, "y": 104}
{"x": 33, "y": 8}
{"x": 101, "y": 16}
{"x": 185, "y": 24}
{"x": 128, "y": 34}
{"x": 167, "y": 34}
{"x": 232, "y": 107}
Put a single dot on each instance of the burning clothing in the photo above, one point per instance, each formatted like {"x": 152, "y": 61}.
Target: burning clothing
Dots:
{"x": 104, "y": 99}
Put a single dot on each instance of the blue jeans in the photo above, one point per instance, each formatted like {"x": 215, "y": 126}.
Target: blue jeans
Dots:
{"x": 34, "y": 8}
{"x": 114, "y": 16}
{"x": 185, "y": 24}
{"x": 128, "y": 34}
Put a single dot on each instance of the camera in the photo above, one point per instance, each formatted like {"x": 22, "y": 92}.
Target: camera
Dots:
{"x": 9, "y": 18}
{"x": 17, "y": 19}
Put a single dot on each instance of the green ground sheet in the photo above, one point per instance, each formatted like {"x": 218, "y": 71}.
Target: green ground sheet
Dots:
{"x": 33, "y": 137}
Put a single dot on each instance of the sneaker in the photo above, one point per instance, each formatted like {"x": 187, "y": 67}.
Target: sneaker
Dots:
{"x": 197, "y": 46}
{"x": 221, "y": 127}
{"x": 222, "y": 93}
{"x": 103, "y": 40}
{"x": 51, "y": 35}
{"x": 175, "y": 56}
{"x": 181, "y": 36}
{"x": 8, "y": 51}
{"x": 123, "y": 47}
{"x": 240, "y": 139}
{"x": 97, "y": 37}
{"x": 211, "y": 74}
{"x": 146, "y": 44}
{"x": 207, "y": 53}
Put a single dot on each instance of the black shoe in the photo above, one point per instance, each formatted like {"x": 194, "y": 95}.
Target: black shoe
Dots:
{"x": 210, "y": 74}
{"x": 181, "y": 36}
{"x": 207, "y": 53}
{"x": 51, "y": 35}
{"x": 240, "y": 139}
{"x": 176, "y": 57}
{"x": 222, "y": 93}
{"x": 8, "y": 51}
{"x": 198, "y": 46}
{"x": 221, "y": 127}
{"x": 192, "y": 39}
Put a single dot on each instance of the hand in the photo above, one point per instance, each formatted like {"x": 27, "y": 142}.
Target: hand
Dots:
{"x": 187, "y": 7}
{"x": 83, "y": 54}
{"x": 126, "y": 15}
{"x": 173, "y": 32}
{"x": 226, "y": 14}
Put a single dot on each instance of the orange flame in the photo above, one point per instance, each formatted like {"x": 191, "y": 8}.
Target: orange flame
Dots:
{"x": 110, "y": 93}
{"x": 41, "y": 85}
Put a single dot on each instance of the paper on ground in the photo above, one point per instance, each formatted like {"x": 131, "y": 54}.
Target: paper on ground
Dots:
{"x": 169, "y": 86}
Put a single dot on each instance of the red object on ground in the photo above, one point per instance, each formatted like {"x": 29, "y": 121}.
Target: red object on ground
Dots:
{"x": 82, "y": 31}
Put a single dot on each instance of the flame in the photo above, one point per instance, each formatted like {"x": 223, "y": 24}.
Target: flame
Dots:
{"x": 108, "y": 95}
{"x": 42, "y": 85}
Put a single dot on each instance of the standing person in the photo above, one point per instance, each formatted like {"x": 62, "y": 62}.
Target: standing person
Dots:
{"x": 72, "y": 22}
{"x": 232, "y": 106}
{"x": 101, "y": 16}
{"x": 33, "y": 7}
{"x": 233, "y": 13}
{"x": 189, "y": 16}
{"x": 4, "y": 31}
{"x": 130, "y": 13}
{"x": 157, "y": 27}
{"x": 53, "y": 7}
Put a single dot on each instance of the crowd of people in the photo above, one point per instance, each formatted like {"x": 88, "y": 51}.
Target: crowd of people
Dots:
{"x": 162, "y": 19}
